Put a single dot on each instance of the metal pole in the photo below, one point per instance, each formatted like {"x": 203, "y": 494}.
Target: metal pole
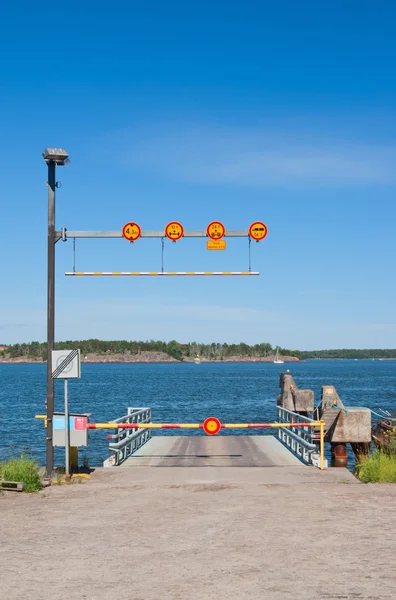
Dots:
{"x": 74, "y": 255}
{"x": 322, "y": 426}
{"x": 67, "y": 436}
{"x": 50, "y": 314}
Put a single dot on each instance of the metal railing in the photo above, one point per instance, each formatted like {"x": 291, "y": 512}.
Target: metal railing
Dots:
{"x": 303, "y": 441}
{"x": 128, "y": 441}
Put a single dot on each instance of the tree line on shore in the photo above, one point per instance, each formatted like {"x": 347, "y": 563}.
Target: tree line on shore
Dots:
{"x": 213, "y": 351}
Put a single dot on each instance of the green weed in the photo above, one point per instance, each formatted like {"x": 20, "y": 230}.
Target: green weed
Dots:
{"x": 380, "y": 467}
{"x": 23, "y": 469}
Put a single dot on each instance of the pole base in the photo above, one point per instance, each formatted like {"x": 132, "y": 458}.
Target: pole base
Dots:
{"x": 73, "y": 459}
{"x": 339, "y": 455}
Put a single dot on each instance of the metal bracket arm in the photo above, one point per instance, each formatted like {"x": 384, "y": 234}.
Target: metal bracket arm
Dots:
{"x": 64, "y": 234}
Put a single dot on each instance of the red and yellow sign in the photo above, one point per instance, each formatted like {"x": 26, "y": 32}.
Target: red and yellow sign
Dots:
{"x": 211, "y": 426}
{"x": 258, "y": 231}
{"x": 131, "y": 231}
{"x": 174, "y": 231}
{"x": 215, "y": 230}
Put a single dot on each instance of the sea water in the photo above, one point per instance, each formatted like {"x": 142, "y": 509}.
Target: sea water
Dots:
{"x": 176, "y": 393}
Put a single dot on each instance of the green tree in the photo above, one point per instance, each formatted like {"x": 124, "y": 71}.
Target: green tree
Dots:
{"x": 174, "y": 349}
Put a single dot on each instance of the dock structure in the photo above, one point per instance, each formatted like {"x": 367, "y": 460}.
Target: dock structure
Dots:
{"x": 302, "y": 430}
{"x": 206, "y": 451}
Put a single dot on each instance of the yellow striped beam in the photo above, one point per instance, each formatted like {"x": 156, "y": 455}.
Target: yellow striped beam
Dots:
{"x": 155, "y": 273}
{"x": 199, "y": 425}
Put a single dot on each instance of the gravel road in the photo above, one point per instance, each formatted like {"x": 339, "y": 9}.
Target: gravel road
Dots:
{"x": 196, "y": 533}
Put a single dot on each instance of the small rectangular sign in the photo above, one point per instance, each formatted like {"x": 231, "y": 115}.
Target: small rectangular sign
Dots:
{"x": 66, "y": 364}
{"x": 80, "y": 423}
{"x": 216, "y": 245}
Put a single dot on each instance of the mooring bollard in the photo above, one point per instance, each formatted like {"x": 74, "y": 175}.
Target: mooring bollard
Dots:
{"x": 339, "y": 455}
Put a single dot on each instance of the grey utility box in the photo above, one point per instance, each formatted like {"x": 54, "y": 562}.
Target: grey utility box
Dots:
{"x": 78, "y": 432}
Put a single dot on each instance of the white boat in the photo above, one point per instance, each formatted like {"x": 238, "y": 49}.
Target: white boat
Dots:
{"x": 278, "y": 360}
{"x": 197, "y": 360}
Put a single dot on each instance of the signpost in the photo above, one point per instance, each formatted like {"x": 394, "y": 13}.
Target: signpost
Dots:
{"x": 215, "y": 230}
{"x": 216, "y": 245}
{"x": 258, "y": 231}
{"x": 131, "y": 231}
{"x": 66, "y": 365}
{"x": 174, "y": 231}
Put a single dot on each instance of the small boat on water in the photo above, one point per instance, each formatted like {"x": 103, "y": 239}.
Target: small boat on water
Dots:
{"x": 278, "y": 360}
{"x": 197, "y": 360}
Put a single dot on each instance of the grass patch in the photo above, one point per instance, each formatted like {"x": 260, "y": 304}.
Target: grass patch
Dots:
{"x": 380, "y": 467}
{"x": 23, "y": 469}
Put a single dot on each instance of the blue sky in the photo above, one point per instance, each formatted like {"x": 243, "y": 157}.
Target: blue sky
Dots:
{"x": 283, "y": 112}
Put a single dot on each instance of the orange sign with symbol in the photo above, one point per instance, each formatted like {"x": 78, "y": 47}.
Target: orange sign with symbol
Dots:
{"x": 215, "y": 230}
{"x": 131, "y": 232}
{"x": 212, "y": 426}
{"x": 258, "y": 231}
{"x": 174, "y": 231}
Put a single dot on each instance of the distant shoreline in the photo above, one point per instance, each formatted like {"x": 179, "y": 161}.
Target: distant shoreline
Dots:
{"x": 112, "y": 360}
{"x": 155, "y": 357}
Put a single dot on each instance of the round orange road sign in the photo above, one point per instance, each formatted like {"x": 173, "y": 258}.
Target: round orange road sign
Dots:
{"x": 215, "y": 230}
{"x": 174, "y": 231}
{"x": 258, "y": 231}
{"x": 131, "y": 231}
{"x": 211, "y": 426}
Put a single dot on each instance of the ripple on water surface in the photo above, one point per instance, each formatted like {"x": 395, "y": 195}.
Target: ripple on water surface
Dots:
{"x": 233, "y": 392}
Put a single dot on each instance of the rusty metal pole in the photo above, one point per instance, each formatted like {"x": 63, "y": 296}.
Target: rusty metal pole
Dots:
{"x": 53, "y": 157}
{"x": 50, "y": 314}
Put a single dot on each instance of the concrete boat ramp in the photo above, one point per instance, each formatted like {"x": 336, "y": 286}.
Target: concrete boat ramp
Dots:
{"x": 218, "y": 460}
{"x": 216, "y": 451}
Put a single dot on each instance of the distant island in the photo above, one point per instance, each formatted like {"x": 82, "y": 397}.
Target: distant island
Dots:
{"x": 106, "y": 351}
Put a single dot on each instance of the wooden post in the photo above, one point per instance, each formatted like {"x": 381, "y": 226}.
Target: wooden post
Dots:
{"x": 73, "y": 458}
{"x": 361, "y": 451}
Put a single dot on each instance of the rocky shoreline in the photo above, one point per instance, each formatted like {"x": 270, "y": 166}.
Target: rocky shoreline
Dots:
{"x": 148, "y": 357}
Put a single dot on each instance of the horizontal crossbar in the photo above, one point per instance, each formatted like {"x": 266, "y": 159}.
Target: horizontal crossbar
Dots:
{"x": 65, "y": 234}
{"x": 197, "y": 425}
{"x": 154, "y": 273}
